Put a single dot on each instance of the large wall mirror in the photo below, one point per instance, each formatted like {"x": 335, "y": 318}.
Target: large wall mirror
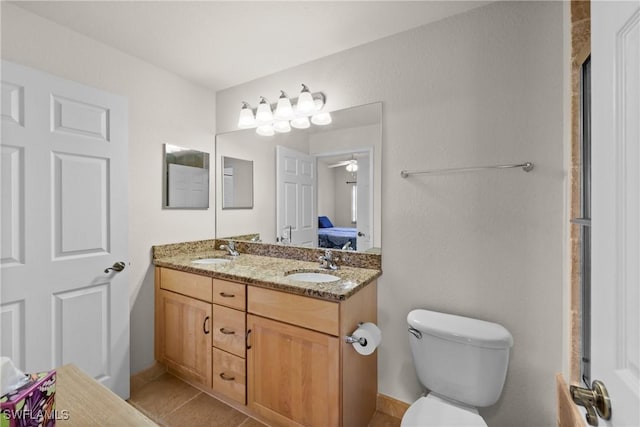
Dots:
{"x": 314, "y": 187}
{"x": 185, "y": 183}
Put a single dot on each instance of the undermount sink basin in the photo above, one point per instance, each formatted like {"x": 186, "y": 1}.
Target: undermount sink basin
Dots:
{"x": 211, "y": 261}
{"x": 313, "y": 277}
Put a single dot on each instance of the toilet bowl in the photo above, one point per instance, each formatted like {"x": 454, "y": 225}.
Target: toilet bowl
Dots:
{"x": 461, "y": 361}
{"x": 432, "y": 411}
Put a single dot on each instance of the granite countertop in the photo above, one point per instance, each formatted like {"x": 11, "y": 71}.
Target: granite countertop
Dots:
{"x": 271, "y": 272}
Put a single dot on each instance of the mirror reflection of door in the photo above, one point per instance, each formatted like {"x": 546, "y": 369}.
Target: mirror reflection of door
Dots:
{"x": 188, "y": 186}
{"x": 186, "y": 182}
{"x": 296, "y": 197}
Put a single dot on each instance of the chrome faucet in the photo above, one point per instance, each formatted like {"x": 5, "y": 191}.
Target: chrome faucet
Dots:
{"x": 231, "y": 248}
{"x": 327, "y": 261}
{"x": 347, "y": 246}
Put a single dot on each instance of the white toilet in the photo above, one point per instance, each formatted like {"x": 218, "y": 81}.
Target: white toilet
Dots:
{"x": 462, "y": 362}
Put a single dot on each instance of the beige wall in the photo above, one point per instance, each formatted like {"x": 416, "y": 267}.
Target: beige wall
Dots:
{"x": 481, "y": 88}
{"x": 326, "y": 197}
{"x": 163, "y": 108}
{"x": 342, "y": 195}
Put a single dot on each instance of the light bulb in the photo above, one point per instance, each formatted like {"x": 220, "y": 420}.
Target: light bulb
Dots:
{"x": 319, "y": 102}
{"x": 282, "y": 126}
{"x": 284, "y": 110}
{"x": 321, "y": 119}
{"x": 305, "y": 104}
{"x": 246, "y": 119}
{"x": 264, "y": 114}
{"x": 300, "y": 122}
{"x": 265, "y": 130}
{"x": 352, "y": 167}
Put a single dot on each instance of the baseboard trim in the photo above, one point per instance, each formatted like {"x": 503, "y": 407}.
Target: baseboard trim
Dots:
{"x": 568, "y": 414}
{"x": 145, "y": 376}
{"x": 391, "y": 406}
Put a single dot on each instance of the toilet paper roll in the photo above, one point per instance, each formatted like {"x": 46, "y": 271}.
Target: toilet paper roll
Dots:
{"x": 10, "y": 377}
{"x": 373, "y": 336}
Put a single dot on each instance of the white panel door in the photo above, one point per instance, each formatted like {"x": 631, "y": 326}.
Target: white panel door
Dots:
{"x": 615, "y": 325}
{"x": 64, "y": 221}
{"x": 296, "y": 197}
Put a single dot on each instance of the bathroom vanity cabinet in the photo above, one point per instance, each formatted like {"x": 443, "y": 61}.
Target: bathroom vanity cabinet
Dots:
{"x": 281, "y": 354}
{"x": 200, "y": 330}
{"x": 183, "y": 324}
{"x": 294, "y": 358}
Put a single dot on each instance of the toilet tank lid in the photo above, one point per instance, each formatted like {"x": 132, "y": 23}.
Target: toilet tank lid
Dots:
{"x": 460, "y": 329}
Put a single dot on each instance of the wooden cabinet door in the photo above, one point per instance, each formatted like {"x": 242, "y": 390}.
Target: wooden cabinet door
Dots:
{"x": 292, "y": 374}
{"x": 185, "y": 334}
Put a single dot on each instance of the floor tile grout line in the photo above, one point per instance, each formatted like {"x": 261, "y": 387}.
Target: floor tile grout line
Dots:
{"x": 247, "y": 418}
{"x": 157, "y": 417}
{"x": 181, "y": 405}
{"x": 147, "y": 413}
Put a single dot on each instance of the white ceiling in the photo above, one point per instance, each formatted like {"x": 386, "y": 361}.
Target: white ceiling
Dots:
{"x": 219, "y": 44}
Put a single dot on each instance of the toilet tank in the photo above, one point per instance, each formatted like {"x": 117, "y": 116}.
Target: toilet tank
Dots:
{"x": 458, "y": 357}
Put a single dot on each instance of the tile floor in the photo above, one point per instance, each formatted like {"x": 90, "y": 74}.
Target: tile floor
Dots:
{"x": 171, "y": 402}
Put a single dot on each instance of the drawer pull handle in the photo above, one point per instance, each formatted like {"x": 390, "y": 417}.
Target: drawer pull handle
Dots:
{"x": 226, "y": 378}
{"x": 204, "y": 325}
{"x": 246, "y": 340}
{"x": 226, "y": 295}
{"x": 227, "y": 331}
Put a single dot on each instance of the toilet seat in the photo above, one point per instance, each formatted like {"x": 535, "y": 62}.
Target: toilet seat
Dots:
{"x": 432, "y": 411}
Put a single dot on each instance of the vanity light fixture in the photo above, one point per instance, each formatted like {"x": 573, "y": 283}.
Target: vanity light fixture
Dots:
{"x": 300, "y": 122}
{"x": 282, "y": 126}
{"x": 265, "y": 130}
{"x": 322, "y": 118}
{"x": 246, "y": 119}
{"x": 284, "y": 115}
{"x": 284, "y": 110}
{"x": 263, "y": 114}
{"x": 305, "y": 105}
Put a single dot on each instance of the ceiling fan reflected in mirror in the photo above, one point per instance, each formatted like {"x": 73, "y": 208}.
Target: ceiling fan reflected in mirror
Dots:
{"x": 351, "y": 165}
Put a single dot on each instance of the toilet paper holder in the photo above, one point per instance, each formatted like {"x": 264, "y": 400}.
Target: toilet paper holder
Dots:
{"x": 350, "y": 339}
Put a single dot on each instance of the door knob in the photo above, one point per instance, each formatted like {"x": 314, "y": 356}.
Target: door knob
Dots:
{"x": 360, "y": 234}
{"x": 118, "y": 266}
{"x": 594, "y": 399}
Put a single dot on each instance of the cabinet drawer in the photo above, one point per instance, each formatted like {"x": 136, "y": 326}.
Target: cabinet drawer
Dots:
{"x": 192, "y": 285}
{"x": 229, "y": 376}
{"x": 228, "y": 329}
{"x": 230, "y": 294}
{"x": 307, "y": 312}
